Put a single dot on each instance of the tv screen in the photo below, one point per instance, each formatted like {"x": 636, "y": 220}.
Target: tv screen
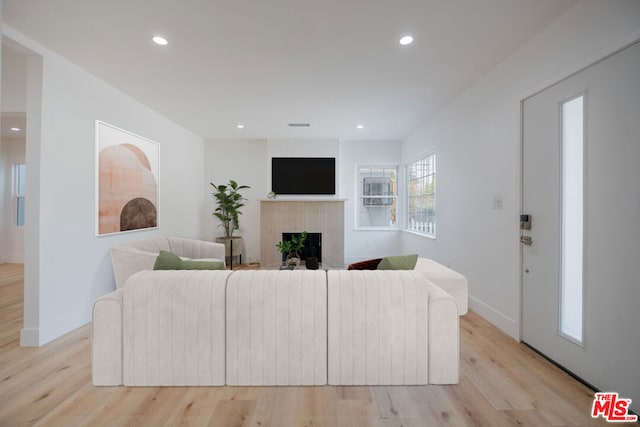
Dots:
{"x": 303, "y": 175}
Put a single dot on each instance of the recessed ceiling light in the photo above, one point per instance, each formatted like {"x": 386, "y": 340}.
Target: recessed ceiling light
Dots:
{"x": 240, "y": 126}
{"x": 160, "y": 40}
{"x": 360, "y": 126}
{"x": 405, "y": 40}
{"x": 15, "y": 129}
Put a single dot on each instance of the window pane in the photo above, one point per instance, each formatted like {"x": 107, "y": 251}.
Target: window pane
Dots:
{"x": 572, "y": 218}
{"x": 20, "y": 183}
{"x": 377, "y": 193}
{"x": 421, "y": 191}
{"x": 20, "y": 179}
{"x": 20, "y": 213}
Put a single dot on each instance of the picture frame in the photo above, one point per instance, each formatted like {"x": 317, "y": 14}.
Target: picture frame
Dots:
{"x": 127, "y": 181}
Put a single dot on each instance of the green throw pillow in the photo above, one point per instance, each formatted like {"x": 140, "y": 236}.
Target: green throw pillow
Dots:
{"x": 400, "y": 262}
{"x": 202, "y": 265}
{"x": 169, "y": 261}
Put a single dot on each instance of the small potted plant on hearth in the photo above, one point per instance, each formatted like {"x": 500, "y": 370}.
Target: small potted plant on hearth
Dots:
{"x": 291, "y": 248}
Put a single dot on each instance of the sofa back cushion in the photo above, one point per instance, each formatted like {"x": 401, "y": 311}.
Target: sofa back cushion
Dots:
{"x": 174, "y": 328}
{"x": 277, "y": 327}
{"x": 377, "y": 327}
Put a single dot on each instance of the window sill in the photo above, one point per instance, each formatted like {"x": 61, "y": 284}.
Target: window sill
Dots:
{"x": 376, "y": 229}
{"x": 417, "y": 233}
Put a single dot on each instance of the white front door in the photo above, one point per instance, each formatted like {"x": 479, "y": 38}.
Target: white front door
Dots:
{"x": 581, "y": 188}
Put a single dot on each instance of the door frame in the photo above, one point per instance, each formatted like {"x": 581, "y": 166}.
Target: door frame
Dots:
{"x": 589, "y": 61}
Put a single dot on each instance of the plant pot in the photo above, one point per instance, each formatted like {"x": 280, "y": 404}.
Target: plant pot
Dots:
{"x": 311, "y": 262}
{"x": 237, "y": 245}
{"x": 292, "y": 260}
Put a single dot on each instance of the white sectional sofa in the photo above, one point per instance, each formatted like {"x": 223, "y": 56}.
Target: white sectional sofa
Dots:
{"x": 139, "y": 255}
{"x": 276, "y": 328}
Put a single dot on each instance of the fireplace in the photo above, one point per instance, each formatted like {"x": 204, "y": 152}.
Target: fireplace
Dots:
{"x": 279, "y": 216}
{"x": 312, "y": 246}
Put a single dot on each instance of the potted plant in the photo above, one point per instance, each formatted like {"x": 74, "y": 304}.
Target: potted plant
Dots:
{"x": 229, "y": 201}
{"x": 291, "y": 248}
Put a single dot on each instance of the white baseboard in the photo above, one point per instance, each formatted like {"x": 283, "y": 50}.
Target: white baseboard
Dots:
{"x": 11, "y": 259}
{"x": 35, "y": 337}
{"x": 29, "y": 337}
{"x": 499, "y": 320}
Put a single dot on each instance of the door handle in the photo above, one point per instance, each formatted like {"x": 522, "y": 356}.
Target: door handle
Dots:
{"x": 526, "y": 240}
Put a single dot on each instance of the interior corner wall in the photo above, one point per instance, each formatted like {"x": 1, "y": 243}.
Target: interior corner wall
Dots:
{"x": 67, "y": 267}
{"x": 477, "y": 142}
{"x": 365, "y": 244}
{"x": 244, "y": 161}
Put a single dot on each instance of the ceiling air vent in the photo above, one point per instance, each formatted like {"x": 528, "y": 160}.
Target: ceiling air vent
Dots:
{"x": 299, "y": 125}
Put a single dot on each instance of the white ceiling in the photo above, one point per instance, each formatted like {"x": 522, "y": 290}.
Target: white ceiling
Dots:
{"x": 332, "y": 63}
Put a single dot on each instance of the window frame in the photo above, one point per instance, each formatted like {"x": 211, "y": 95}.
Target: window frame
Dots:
{"x": 375, "y": 199}
{"x": 434, "y": 194}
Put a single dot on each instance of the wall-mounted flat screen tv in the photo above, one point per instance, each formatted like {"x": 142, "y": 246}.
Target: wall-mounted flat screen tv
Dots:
{"x": 303, "y": 175}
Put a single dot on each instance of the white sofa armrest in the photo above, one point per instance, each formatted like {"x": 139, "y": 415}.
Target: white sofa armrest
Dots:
{"x": 444, "y": 353}
{"x": 452, "y": 282}
{"x": 107, "y": 340}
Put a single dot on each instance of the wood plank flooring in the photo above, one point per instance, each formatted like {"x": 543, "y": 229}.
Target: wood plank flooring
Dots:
{"x": 502, "y": 383}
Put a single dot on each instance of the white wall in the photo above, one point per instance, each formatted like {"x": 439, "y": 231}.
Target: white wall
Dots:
{"x": 12, "y": 241}
{"x": 243, "y": 161}
{"x": 249, "y": 163}
{"x": 14, "y": 78}
{"x": 477, "y": 141}
{"x": 365, "y": 244}
{"x": 67, "y": 267}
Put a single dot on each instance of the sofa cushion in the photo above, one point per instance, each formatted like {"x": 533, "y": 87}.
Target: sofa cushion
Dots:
{"x": 169, "y": 261}
{"x": 369, "y": 264}
{"x": 400, "y": 262}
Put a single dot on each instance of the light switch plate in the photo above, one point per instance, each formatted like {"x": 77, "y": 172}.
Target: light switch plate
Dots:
{"x": 497, "y": 202}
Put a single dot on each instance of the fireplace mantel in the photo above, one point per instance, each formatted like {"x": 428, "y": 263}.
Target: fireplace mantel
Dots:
{"x": 324, "y": 216}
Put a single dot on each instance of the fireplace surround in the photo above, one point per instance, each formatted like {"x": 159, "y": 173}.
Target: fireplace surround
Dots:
{"x": 324, "y": 216}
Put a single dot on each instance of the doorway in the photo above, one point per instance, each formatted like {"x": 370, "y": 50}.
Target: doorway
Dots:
{"x": 581, "y": 190}
{"x": 13, "y": 154}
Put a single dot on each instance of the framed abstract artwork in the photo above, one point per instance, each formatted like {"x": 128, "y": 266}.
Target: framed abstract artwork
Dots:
{"x": 127, "y": 181}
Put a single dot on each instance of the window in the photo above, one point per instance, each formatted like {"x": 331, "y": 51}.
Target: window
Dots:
{"x": 572, "y": 219}
{"x": 20, "y": 185}
{"x": 421, "y": 195}
{"x": 377, "y": 192}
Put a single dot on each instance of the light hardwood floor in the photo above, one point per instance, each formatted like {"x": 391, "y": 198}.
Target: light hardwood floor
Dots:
{"x": 502, "y": 383}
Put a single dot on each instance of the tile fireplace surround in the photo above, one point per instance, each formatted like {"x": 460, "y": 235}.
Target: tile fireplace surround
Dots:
{"x": 324, "y": 216}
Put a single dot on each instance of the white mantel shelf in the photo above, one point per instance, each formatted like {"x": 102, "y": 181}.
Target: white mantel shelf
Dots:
{"x": 302, "y": 200}
{"x": 315, "y": 215}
